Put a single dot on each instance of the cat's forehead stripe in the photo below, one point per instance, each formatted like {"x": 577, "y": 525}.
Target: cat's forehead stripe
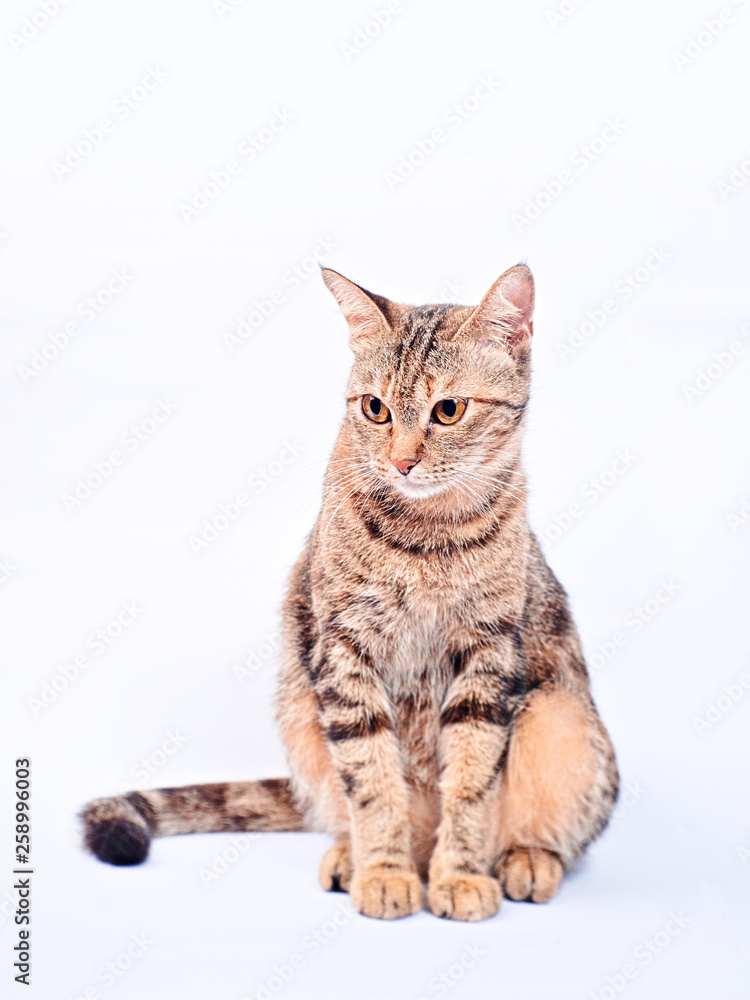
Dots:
{"x": 420, "y": 338}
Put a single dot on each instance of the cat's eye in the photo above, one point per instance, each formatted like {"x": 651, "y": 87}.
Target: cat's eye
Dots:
{"x": 448, "y": 411}
{"x": 375, "y": 409}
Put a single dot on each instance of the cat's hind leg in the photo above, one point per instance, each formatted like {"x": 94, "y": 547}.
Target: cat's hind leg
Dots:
{"x": 558, "y": 788}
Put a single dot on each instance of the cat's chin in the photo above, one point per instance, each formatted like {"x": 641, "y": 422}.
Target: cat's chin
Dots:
{"x": 418, "y": 491}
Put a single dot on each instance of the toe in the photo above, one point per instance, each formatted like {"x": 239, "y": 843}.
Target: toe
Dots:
{"x": 464, "y": 897}
{"x": 336, "y": 868}
{"x": 531, "y": 873}
{"x": 386, "y": 894}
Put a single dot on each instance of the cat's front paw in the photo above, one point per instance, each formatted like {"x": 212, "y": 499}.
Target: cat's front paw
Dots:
{"x": 464, "y": 897}
{"x": 386, "y": 893}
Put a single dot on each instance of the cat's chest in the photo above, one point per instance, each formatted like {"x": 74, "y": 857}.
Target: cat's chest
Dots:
{"x": 414, "y": 653}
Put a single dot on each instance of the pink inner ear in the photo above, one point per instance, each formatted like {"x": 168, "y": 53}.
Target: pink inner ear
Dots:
{"x": 363, "y": 320}
{"x": 503, "y": 317}
{"x": 366, "y": 321}
{"x": 518, "y": 290}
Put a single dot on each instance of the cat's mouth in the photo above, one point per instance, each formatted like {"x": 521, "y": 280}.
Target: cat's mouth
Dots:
{"x": 416, "y": 489}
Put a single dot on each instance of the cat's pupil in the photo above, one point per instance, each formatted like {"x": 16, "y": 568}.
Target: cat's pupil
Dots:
{"x": 449, "y": 407}
{"x": 375, "y": 405}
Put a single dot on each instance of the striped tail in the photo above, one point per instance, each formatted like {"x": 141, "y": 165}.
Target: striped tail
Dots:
{"x": 119, "y": 829}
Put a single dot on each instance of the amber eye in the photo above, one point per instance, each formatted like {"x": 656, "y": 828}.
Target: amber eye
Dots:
{"x": 448, "y": 411}
{"x": 375, "y": 409}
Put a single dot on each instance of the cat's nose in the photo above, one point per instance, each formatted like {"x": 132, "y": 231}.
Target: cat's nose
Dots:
{"x": 405, "y": 465}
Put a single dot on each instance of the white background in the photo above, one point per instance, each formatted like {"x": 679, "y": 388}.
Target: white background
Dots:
{"x": 681, "y": 839}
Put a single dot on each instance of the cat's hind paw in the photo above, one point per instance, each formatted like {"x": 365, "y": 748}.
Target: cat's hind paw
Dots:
{"x": 530, "y": 873}
{"x": 336, "y": 868}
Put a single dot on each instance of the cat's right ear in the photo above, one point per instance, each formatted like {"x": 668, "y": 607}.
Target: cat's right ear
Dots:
{"x": 503, "y": 319}
{"x": 368, "y": 325}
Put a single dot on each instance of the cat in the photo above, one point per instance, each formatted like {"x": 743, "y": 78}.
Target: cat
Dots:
{"x": 433, "y": 698}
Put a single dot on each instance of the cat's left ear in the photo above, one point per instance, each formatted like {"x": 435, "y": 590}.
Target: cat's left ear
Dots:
{"x": 504, "y": 316}
{"x": 367, "y": 314}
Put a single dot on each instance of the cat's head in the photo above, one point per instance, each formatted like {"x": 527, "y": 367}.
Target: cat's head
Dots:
{"x": 437, "y": 393}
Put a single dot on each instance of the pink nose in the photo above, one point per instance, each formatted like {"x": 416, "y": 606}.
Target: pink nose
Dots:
{"x": 405, "y": 465}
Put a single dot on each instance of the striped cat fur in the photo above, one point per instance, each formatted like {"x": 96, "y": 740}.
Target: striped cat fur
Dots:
{"x": 433, "y": 697}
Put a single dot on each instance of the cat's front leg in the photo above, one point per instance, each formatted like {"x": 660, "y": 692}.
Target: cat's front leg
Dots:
{"x": 474, "y": 735}
{"x": 358, "y": 727}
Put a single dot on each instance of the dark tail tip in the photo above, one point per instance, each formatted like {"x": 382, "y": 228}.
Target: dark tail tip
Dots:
{"x": 115, "y": 832}
{"x": 118, "y": 841}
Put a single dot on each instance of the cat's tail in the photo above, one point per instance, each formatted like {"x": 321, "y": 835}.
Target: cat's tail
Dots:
{"x": 119, "y": 829}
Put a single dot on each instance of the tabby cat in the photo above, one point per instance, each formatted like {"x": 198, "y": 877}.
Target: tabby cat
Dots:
{"x": 433, "y": 698}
